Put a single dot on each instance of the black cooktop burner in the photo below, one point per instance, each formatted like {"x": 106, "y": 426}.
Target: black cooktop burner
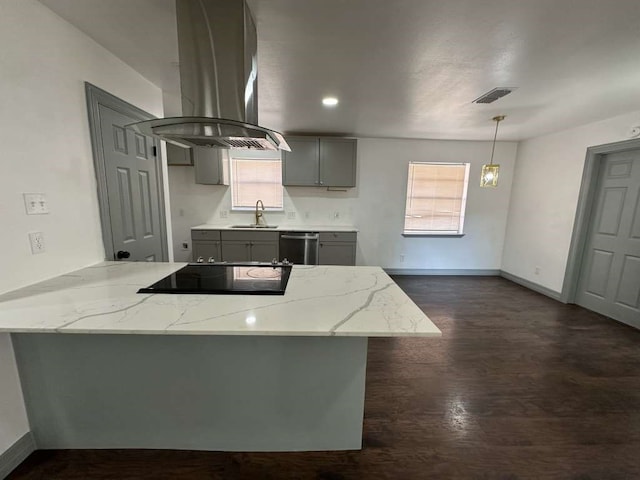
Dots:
{"x": 225, "y": 279}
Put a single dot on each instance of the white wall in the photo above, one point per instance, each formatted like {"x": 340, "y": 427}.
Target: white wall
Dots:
{"x": 376, "y": 206}
{"x": 46, "y": 149}
{"x": 545, "y": 197}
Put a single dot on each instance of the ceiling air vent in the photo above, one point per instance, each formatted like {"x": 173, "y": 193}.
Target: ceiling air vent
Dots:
{"x": 494, "y": 95}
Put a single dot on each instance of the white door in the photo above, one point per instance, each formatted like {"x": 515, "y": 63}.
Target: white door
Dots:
{"x": 609, "y": 280}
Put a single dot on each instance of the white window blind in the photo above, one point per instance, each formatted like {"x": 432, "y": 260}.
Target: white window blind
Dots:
{"x": 254, "y": 179}
{"x": 436, "y": 198}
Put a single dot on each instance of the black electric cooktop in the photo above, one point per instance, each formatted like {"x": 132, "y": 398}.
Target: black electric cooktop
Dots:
{"x": 225, "y": 279}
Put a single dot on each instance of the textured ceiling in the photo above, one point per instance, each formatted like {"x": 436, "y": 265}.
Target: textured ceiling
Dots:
{"x": 408, "y": 68}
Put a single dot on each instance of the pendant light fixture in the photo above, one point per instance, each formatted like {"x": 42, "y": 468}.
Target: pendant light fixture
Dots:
{"x": 489, "y": 177}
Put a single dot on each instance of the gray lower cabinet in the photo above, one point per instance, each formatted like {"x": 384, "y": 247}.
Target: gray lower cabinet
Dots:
{"x": 234, "y": 251}
{"x": 207, "y": 249}
{"x": 264, "y": 251}
{"x": 243, "y": 246}
{"x": 320, "y": 162}
{"x": 206, "y": 244}
{"x": 337, "y": 248}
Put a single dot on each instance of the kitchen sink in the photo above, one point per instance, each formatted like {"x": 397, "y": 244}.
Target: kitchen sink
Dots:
{"x": 253, "y": 225}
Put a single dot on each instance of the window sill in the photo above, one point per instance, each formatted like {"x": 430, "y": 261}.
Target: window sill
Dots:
{"x": 425, "y": 234}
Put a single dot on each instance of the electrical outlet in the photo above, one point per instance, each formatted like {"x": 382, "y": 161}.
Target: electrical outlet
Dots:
{"x": 224, "y": 213}
{"x": 37, "y": 242}
{"x": 291, "y": 215}
{"x": 537, "y": 271}
{"x": 35, "y": 203}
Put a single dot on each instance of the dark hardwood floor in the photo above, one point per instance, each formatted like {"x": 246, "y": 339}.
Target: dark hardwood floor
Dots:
{"x": 518, "y": 387}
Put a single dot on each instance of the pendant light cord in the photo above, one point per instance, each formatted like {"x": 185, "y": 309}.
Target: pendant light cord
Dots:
{"x": 498, "y": 119}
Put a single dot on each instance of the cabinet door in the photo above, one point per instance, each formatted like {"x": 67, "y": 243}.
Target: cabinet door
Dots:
{"x": 337, "y": 253}
{"x": 211, "y": 165}
{"x": 338, "y": 162}
{"x": 300, "y": 166}
{"x": 236, "y": 251}
{"x": 178, "y": 155}
{"x": 264, "y": 251}
{"x": 206, "y": 249}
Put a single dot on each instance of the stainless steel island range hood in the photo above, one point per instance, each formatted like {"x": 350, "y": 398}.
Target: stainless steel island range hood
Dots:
{"x": 217, "y": 44}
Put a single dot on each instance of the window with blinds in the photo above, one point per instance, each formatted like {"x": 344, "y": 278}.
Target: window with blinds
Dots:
{"x": 436, "y": 198}
{"x": 254, "y": 179}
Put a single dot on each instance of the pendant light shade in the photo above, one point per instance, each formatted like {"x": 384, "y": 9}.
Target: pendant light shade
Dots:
{"x": 489, "y": 176}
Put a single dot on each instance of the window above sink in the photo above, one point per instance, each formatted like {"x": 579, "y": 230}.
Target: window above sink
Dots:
{"x": 256, "y": 175}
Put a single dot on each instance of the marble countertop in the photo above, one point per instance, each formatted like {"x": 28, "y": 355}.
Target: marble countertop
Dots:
{"x": 319, "y": 301}
{"x": 282, "y": 228}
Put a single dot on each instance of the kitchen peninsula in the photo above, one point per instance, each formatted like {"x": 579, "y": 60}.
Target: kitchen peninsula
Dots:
{"x": 104, "y": 367}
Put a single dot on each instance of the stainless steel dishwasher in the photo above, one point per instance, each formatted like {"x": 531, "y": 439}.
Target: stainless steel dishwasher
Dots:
{"x": 299, "y": 247}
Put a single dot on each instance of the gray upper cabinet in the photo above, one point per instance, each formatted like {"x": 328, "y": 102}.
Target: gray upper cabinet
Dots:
{"x": 320, "y": 162}
{"x": 178, "y": 155}
{"x": 211, "y": 165}
{"x": 301, "y": 166}
{"x": 338, "y": 162}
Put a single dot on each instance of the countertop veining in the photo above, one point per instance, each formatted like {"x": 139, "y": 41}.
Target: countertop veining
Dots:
{"x": 319, "y": 301}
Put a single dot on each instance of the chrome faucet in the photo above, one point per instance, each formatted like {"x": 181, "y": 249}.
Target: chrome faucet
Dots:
{"x": 259, "y": 214}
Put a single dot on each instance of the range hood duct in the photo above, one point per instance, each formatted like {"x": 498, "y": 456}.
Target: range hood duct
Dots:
{"x": 217, "y": 44}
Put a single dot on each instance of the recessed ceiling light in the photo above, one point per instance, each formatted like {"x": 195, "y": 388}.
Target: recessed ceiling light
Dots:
{"x": 330, "y": 101}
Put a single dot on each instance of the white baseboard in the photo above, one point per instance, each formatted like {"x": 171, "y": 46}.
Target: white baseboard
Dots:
{"x": 471, "y": 272}
{"x": 437, "y": 271}
{"x": 16, "y": 454}
{"x": 531, "y": 285}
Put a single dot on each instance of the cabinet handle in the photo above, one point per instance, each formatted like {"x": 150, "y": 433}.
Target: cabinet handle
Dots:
{"x": 321, "y": 183}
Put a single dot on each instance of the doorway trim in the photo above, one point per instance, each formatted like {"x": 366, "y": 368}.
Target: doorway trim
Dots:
{"x": 586, "y": 201}
{"x": 96, "y": 97}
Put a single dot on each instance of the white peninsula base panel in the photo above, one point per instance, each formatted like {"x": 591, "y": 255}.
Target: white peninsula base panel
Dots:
{"x": 102, "y": 366}
{"x": 230, "y": 393}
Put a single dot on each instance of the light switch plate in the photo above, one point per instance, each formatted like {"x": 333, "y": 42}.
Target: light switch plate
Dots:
{"x": 35, "y": 203}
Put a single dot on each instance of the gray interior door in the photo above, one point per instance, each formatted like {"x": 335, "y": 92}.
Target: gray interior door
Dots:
{"x": 610, "y": 276}
{"x": 132, "y": 189}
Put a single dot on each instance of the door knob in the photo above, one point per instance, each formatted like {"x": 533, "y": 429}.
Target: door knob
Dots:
{"x": 122, "y": 254}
